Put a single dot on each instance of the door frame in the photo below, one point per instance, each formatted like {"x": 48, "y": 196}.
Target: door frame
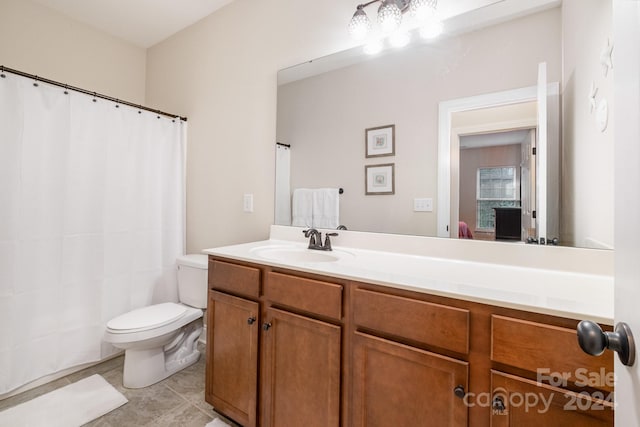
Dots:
{"x": 448, "y": 165}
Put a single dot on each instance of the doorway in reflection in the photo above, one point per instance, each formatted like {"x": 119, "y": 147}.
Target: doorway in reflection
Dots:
{"x": 497, "y": 185}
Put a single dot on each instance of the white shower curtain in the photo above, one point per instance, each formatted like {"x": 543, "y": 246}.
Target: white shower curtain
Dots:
{"x": 91, "y": 222}
{"x": 283, "y": 187}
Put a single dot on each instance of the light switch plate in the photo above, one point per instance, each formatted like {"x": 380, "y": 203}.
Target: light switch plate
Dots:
{"x": 423, "y": 205}
{"x": 248, "y": 203}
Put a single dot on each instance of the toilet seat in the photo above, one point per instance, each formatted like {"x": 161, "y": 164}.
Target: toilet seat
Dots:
{"x": 146, "y": 318}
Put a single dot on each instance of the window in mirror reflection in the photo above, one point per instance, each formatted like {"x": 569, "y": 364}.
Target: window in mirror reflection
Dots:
{"x": 496, "y": 189}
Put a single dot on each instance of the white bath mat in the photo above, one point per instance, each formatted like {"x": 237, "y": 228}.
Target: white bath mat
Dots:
{"x": 71, "y": 405}
{"x": 217, "y": 423}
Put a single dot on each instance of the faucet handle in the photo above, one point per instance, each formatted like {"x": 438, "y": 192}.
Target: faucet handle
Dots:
{"x": 327, "y": 242}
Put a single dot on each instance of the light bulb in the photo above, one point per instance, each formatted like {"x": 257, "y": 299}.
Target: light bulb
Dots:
{"x": 423, "y": 9}
{"x": 389, "y": 16}
{"x": 373, "y": 47}
{"x": 359, "y": 25}
{"x": 399, "y": 39}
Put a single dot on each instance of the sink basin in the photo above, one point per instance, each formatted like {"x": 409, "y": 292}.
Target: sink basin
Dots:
{"x": 289, "y": 254}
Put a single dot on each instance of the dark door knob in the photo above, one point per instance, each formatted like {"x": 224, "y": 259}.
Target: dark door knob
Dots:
{"x": 266, "y": 326}
{"x": 594, "y": 341}
{"x": 251, "y": 320}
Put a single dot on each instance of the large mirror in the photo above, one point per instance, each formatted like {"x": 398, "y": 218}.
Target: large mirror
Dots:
{"x": 425, "y": 139}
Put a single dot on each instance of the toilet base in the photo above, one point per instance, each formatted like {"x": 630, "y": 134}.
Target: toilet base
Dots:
{"x": 144, "y": 367}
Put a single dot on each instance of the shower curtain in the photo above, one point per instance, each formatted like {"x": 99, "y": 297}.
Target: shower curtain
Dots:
{"x": 283, "y": 187}
{"x": 91, "y": 222}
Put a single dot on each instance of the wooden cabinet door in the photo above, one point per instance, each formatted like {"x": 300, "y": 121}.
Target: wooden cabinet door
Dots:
{"x": 397, "y": 385}
{"x": 232, "y": 357}
{"x": 301, "y": 378}
{"x": 530, "y": 404}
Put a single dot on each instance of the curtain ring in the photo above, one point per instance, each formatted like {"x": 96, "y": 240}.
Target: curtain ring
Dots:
{"x": 36, "y": 82}
{"x": 94, "y": 97}
{"x": 2, "y": 71}
{"x": 117, "y": 101}
{"x": 66, "y": 91}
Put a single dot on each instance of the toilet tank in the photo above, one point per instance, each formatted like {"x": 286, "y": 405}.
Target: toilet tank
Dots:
{"x": 192, "y": 279}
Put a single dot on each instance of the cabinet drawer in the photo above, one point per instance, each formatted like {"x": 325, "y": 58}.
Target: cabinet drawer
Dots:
{"x": 423, "y": 322}
{"x": 234, "y": 278}
{"x": 546, "y": 349}
{"x": 313, "y": 296}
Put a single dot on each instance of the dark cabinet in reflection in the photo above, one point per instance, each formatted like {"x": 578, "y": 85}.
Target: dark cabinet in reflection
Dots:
{"x": 508, "y": 223}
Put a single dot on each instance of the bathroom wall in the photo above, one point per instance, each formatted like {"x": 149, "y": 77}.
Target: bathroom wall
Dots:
{"x": 221, "y": 73}
{"x": 41, "y": 41}
{"x": 587, "y": 164}
{"x": 324, "y": 117}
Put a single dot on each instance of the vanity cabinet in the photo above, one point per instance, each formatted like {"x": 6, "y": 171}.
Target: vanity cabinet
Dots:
{"x": 287, "y": 327}
{"x": 302, "y": 345}
{"x": 301, "y": 384}
{"x": 232, "y": 340}
{"x": 293, "y": 348}
{"x": 232, "y": 356}
{"x": 395, "y": 380}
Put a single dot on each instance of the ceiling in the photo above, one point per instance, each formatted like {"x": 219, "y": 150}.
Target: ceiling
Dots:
{"x": 494, "y": 139}
{"x": 141, "y": 22}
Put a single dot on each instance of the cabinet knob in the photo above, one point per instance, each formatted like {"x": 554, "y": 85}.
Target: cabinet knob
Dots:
{"x": 459, "y": 391}
{"x": 594, "y": 341}
{"x": 498, "y": 404}
{"x": 266, "y": 326}
{"x": 251, "y": 320}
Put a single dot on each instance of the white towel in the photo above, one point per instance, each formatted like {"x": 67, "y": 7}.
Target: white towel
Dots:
{"x": 326, "y": 208}
{"x": 302, "y": 207}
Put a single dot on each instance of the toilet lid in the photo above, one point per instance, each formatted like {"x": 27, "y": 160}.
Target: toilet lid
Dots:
{"x": 148, "y": 317}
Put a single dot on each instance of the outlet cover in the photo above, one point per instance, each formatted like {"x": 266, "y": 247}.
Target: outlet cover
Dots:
{"x": 248, "y": 203}
{"x": 423, "y": 205}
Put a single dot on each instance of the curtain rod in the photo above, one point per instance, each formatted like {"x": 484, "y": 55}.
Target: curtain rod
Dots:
{"x": 37, "y": 79}
{"x": 284, "y": 145}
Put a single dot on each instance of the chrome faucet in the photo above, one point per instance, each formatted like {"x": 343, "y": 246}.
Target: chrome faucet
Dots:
{"x": 315, "y": 239}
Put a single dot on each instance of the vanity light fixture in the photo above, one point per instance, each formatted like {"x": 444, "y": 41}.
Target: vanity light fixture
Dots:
{"x": 390, "y": 21}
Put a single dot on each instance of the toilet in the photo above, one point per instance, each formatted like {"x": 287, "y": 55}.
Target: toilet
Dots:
{"x": 161, "y": 339}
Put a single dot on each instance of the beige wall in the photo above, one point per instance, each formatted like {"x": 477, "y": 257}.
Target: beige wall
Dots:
{"x": 471, "y": 160}
{"x": 40, "y": 41}
{"x": 324, "y": 117}
{"x": 221, "y": 73}
{"x": 587, "y": 193}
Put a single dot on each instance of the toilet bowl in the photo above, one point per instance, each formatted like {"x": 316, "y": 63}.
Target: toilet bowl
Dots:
{"x": 161, "y": 339}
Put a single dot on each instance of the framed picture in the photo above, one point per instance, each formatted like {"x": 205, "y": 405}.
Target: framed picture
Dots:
{"x": 380, "y": 141}
{"x": 378, "y": 179}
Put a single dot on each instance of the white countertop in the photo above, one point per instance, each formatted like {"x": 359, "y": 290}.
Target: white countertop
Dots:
{"x": 560, "y": 293}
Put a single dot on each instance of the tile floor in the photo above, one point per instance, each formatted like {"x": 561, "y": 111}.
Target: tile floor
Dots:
{"x": 175, "y": 401}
